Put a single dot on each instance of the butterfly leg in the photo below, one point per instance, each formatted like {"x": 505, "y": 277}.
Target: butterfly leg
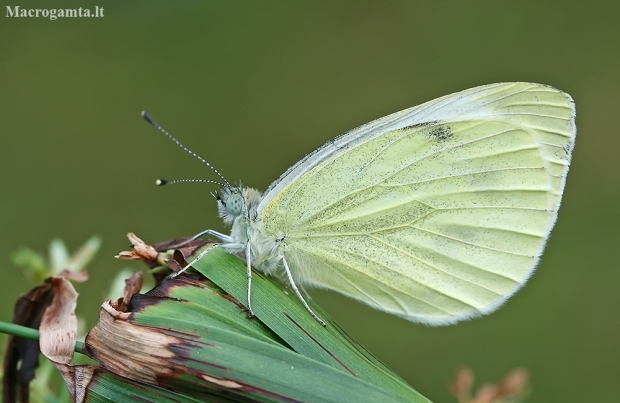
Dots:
{"x": 222, "y": 237}
{"x": 248, "y": 260}
{"x": 290, "y": 278}
{"x": 197, "y": 258}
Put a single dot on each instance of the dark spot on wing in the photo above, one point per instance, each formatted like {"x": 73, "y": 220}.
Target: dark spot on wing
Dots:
{"x": 441, "y": 133}
{"x": 434, "y": 129}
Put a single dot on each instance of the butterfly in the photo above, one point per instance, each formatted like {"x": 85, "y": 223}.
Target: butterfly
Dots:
{"x": 436, "y": 213}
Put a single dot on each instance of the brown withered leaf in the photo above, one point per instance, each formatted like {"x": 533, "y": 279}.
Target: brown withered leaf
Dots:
{"x": 58, "y": 329}
{"x": 133, "y": 285}
{"x": 141, "y": 250}
{"x": 28, "y": 312}
{"x": 144, "y": 361}
{"x": 78, "y": 378}
{"x": 172, "y": 253}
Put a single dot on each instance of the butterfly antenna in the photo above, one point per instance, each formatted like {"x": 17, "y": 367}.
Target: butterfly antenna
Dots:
{"x": 149, "y": 119}
{"x": 162, "y": 182}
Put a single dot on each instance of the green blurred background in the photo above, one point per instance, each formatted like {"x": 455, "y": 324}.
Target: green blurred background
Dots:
{"x": 253, "y": 87}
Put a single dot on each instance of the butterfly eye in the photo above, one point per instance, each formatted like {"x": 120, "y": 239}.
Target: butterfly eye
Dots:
{"x": 233, "y": 204}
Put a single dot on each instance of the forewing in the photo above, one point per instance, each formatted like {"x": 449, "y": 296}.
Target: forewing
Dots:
{"x": 436, "y": 213}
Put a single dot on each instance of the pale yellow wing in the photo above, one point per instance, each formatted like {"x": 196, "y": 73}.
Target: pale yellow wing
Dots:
{"x": 436, "y": 213}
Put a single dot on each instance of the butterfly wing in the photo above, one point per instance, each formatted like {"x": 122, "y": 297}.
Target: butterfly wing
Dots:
{"x": 436, "y": 213}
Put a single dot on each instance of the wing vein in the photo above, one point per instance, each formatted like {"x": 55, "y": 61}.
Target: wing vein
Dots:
{"x": 478, "y": 245}
{"x": 444, "y": 271}
{"x": 337, "y": 200}
{"x": 388, "y": 285}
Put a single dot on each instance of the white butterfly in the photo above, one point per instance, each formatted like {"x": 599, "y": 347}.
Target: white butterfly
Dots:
{"x": 436, "y": 213}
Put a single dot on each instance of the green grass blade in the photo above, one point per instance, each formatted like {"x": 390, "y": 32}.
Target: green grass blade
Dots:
{"x": 280, "y": 310}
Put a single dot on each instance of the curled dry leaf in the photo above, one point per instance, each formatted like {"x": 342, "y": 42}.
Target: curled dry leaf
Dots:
{"x": 141, "y": 250}
{"x": 58, "y": 330}
{"x": 21, "y": 358}
{"x": 78, "y": 378}
{"x": 133, "y": 285}
{"x": 170, "y": 255}
{"x": 49, "y": 307}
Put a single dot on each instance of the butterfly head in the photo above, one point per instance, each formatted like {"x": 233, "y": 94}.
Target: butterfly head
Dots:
{"x": 230, "y": 203}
